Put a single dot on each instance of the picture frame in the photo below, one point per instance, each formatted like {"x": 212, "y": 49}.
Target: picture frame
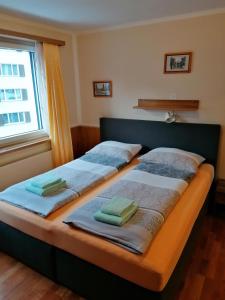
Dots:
{"x": 179, "y": 62}
{"x": 102, "y": 88}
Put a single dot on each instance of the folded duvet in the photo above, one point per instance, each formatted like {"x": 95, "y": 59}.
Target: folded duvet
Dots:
{"x": 43, "y": 206}
{"x": 154, "y": 191}
{"x": 80, "y": 176}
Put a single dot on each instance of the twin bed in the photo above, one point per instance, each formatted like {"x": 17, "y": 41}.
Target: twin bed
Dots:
{"x": 94, "y": 267}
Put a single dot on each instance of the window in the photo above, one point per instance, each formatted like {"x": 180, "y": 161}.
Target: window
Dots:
{"x": 15, "y": 70}
{"x": 12, "y": 70}
{"x": 10, "y": 94}
{"x": 13, "y": 94}
{"x": 20, "y": 108}
{"x": 18, "y": 94}
{"x": 4, "y": 119}
{"x": 2, "y": 95}
{"x": 6, "y": 70}
{"x": 15, "y": 117}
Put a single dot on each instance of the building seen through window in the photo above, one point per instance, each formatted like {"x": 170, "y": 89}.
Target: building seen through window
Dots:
{"x": 19, "y": 101}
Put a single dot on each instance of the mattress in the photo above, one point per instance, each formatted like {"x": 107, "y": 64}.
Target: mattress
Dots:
{"x": 151, "y": 270}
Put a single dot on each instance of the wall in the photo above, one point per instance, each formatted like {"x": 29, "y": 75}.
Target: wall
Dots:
{"x": 40, "y": 163}
{"x": 23, "y": 169}
{"x": 133, "y": 59}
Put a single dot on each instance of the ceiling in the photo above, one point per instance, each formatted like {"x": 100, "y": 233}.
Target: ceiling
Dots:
{"x": 94, "y": 14}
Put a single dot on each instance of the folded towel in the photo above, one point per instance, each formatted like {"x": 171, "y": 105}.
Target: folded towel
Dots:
{"x": 45, "y": 181}
{"x": 117, "y": 206}
{"x": 47, "y": 191}
{"x": 115, "y": 220}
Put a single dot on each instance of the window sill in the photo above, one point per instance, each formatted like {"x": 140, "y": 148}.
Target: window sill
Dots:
{"x": 21, "y": 151}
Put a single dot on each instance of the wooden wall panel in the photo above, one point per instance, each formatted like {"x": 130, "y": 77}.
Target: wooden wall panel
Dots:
{"x": 84, "y": 138}
{"x": 75, "y": 139}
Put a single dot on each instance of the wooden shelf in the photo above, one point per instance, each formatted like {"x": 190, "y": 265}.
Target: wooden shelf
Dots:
{"x": 168, "y": 105}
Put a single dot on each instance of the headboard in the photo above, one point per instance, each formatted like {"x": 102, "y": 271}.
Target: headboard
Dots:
{"x": 199, "y": 138}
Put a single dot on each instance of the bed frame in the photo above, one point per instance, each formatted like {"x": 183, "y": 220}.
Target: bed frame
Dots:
{"x": 87, "y": 279}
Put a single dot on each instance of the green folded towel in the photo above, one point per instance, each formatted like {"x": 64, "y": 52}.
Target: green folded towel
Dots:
{"x": 115, "y": 220}
{"x": 45, "y": 181}
{"x": 117, "y": 206}
{"x": 47, "y": 191}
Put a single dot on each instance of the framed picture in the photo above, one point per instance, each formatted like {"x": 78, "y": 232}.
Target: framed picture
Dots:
{"x": 102, "y": 88}
{"x": 177, "y": 62}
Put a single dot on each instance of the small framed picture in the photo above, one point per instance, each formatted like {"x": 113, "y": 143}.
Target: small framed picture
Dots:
{"x": 102, "y": 88}
{"x": 177, "y": 62}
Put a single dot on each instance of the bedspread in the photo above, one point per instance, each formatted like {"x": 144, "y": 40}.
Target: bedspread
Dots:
{"x": 155, "y": 195}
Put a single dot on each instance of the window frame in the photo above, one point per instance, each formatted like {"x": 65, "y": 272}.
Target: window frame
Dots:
{"x": 23, "y": 138}
{"x": 35, "y": 135}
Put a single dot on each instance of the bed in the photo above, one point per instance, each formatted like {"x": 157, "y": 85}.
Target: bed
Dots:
{"x": 44, "y": 247}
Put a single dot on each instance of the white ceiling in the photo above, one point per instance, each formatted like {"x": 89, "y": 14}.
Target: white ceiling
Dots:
{"x": 91, "y": 14}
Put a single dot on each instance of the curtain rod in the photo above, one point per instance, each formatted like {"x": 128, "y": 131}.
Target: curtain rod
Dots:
{"x": 32, "y": 37}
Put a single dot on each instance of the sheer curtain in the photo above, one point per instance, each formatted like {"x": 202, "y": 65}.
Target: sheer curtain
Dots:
{"x": 42, "y": 89}
{"x": 59, "y": 129}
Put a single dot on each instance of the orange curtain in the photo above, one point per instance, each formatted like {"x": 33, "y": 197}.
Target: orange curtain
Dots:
{"x": 62, "y": 150}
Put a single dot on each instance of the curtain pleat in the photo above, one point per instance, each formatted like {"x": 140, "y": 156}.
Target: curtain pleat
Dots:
{"x": 62, "y": 150}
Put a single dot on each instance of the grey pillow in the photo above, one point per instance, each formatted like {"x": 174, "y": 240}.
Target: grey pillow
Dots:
{"x": 117, "y": 149}
{"x": 177, "y": 158}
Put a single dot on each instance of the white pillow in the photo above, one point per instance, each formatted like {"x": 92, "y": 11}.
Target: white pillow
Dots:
{"x": 177, "y": 158}
{"x": 117, "y": 149}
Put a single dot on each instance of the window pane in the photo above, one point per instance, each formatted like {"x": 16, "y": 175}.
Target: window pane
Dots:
{"x": 3, "y": 69}
{"x": 15, "y": 70}
{"x": 10, "y": 94}
{"x": 21, "y": 116}
{"x": 27, "y": 117}
{"x": 21, "y": 70}
{"x": 24, "y": 94}
{"x": 18, "y": 94}
{"x": 6, "y": 69}
{"x": 3, "y": 119}
{"x": 2, "y": 95}
{"x": 13, "y": 117}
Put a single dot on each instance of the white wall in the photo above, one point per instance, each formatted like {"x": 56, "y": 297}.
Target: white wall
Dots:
{"x": 23, "y": 169}
{"x": 133, "y": 59}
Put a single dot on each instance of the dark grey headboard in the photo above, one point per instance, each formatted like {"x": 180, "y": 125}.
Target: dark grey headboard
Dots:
{"x": 199, "y": 138}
